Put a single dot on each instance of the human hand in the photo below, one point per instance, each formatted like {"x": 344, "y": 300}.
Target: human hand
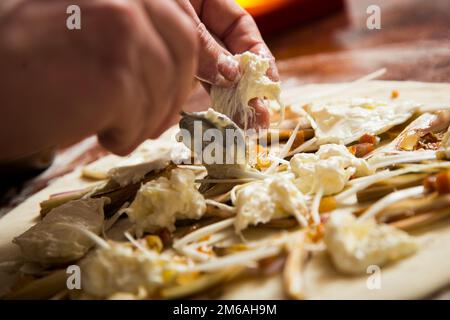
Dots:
{"x": 122, "y": 76}
{"x": 226, "y": 29}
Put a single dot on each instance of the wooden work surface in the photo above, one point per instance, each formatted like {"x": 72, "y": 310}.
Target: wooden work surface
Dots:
{"x": 413, "y": 44}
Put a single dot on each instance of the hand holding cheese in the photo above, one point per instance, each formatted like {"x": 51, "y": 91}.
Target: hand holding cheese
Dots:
{"x": 225, "y": 29}
{"x": 123, "y": 76}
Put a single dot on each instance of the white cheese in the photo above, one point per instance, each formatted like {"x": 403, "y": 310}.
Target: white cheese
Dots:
{"x": 346, "y": 121}
{"x": 329, "y": 169}
{"x": 253, "y": 83}
{"x": 159, "y": 203}
{"x": 54, "y": 240}
{"x": 355, "y": 245}
{"x": 262, "y": 201}
{"x": 123, "y": 269}
{"x": 147, "y": 157}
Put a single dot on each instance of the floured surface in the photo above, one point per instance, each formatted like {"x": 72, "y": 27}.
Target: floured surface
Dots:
{"x": 414, "y": 277}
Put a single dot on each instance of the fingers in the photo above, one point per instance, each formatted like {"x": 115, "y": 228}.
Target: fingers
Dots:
{"x": 181, "y": 40}
{"x": 235, "y": 28}
{"x": 158, "y": 75}
{"x": 135, "y": 92}
{"x": 261, "y": 118}
{"x": 216, "y": 65}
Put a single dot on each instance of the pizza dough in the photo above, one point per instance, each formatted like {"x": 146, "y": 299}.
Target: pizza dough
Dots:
{"x": 416, "y": 276}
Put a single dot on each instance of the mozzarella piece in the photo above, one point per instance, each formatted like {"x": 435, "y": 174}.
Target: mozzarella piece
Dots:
{"x": 159, "y": 203}
{"x": 329, "y": 169}
{"x": 123, "y": 269}
{"x": 55, "y": 239}
{"x": 346, "y": 121}
{"x": 143, "y": 160}
{"x": 268, "y": 199}
{"x": 355, "y": 245}
{"x": 253, "y": 83}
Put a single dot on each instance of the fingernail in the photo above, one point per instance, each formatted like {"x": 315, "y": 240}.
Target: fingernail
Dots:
{"x": 228, "y": 67}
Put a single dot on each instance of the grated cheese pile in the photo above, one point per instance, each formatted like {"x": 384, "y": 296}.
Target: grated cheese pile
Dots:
{"x": 265, "y": 200}
{"x": 121, "y": 268}
{"x": 159, "y": 203}
{"x": 329, "y": 169}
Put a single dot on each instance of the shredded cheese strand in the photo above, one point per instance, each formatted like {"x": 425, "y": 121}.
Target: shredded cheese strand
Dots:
{"x": 303, "y": 147}
{"x": 315, "y": 206}
{"x": 402, "y": 158}
{"x": 237, "y": 259}
{"x": 220, "y": 205}
{"x": 243, "y": 180}
{"x": 285, "y": 149}
{"x": 389, "y": 200}
{"x": 137, "y": 244}
{"x": 280, "y": 160}
{"x": 386, "y": 174}
{"x": 200, "y": 233}
{"x": 301, "y": 219}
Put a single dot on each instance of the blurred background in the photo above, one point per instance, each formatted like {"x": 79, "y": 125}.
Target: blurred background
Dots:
{"x": 314, "y": 41}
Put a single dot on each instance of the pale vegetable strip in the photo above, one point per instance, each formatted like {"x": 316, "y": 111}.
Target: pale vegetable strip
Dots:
{"x": 194, "y": 254}
{"x": 389, "y": 200}
{"x": 301, "y": 219}
{"x": 213, "y": 239}
{"x": 243, "y": 180}
{"x": 303, "y": 147}
{"x": 402, "y": 158}
{"x": 203, "y": 232}
{"x": 238, "y": 259}
{"x": 422, "y": 219}
{"x": 315, "y": 206}
{"x": 292, "y": 273}
{"x": 386, "y": 174}
{"x": 138, "y": 245}
{"x": 220, "y": 205}
{"x": 280, "y": 160}
{"x": 191, "y": 167}
{"x": 204, "y": 282}
{"x": 285, "y": 150}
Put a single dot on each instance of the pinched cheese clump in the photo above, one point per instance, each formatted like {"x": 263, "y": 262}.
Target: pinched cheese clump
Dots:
{"x": 123, "y": 269}
{"x": 159, "y": 203}
{"x": 253, "y": 83}
{"x": 355, "y": 245}
{"x": 329, "y": 169}
{"x": 265, "y": 200}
